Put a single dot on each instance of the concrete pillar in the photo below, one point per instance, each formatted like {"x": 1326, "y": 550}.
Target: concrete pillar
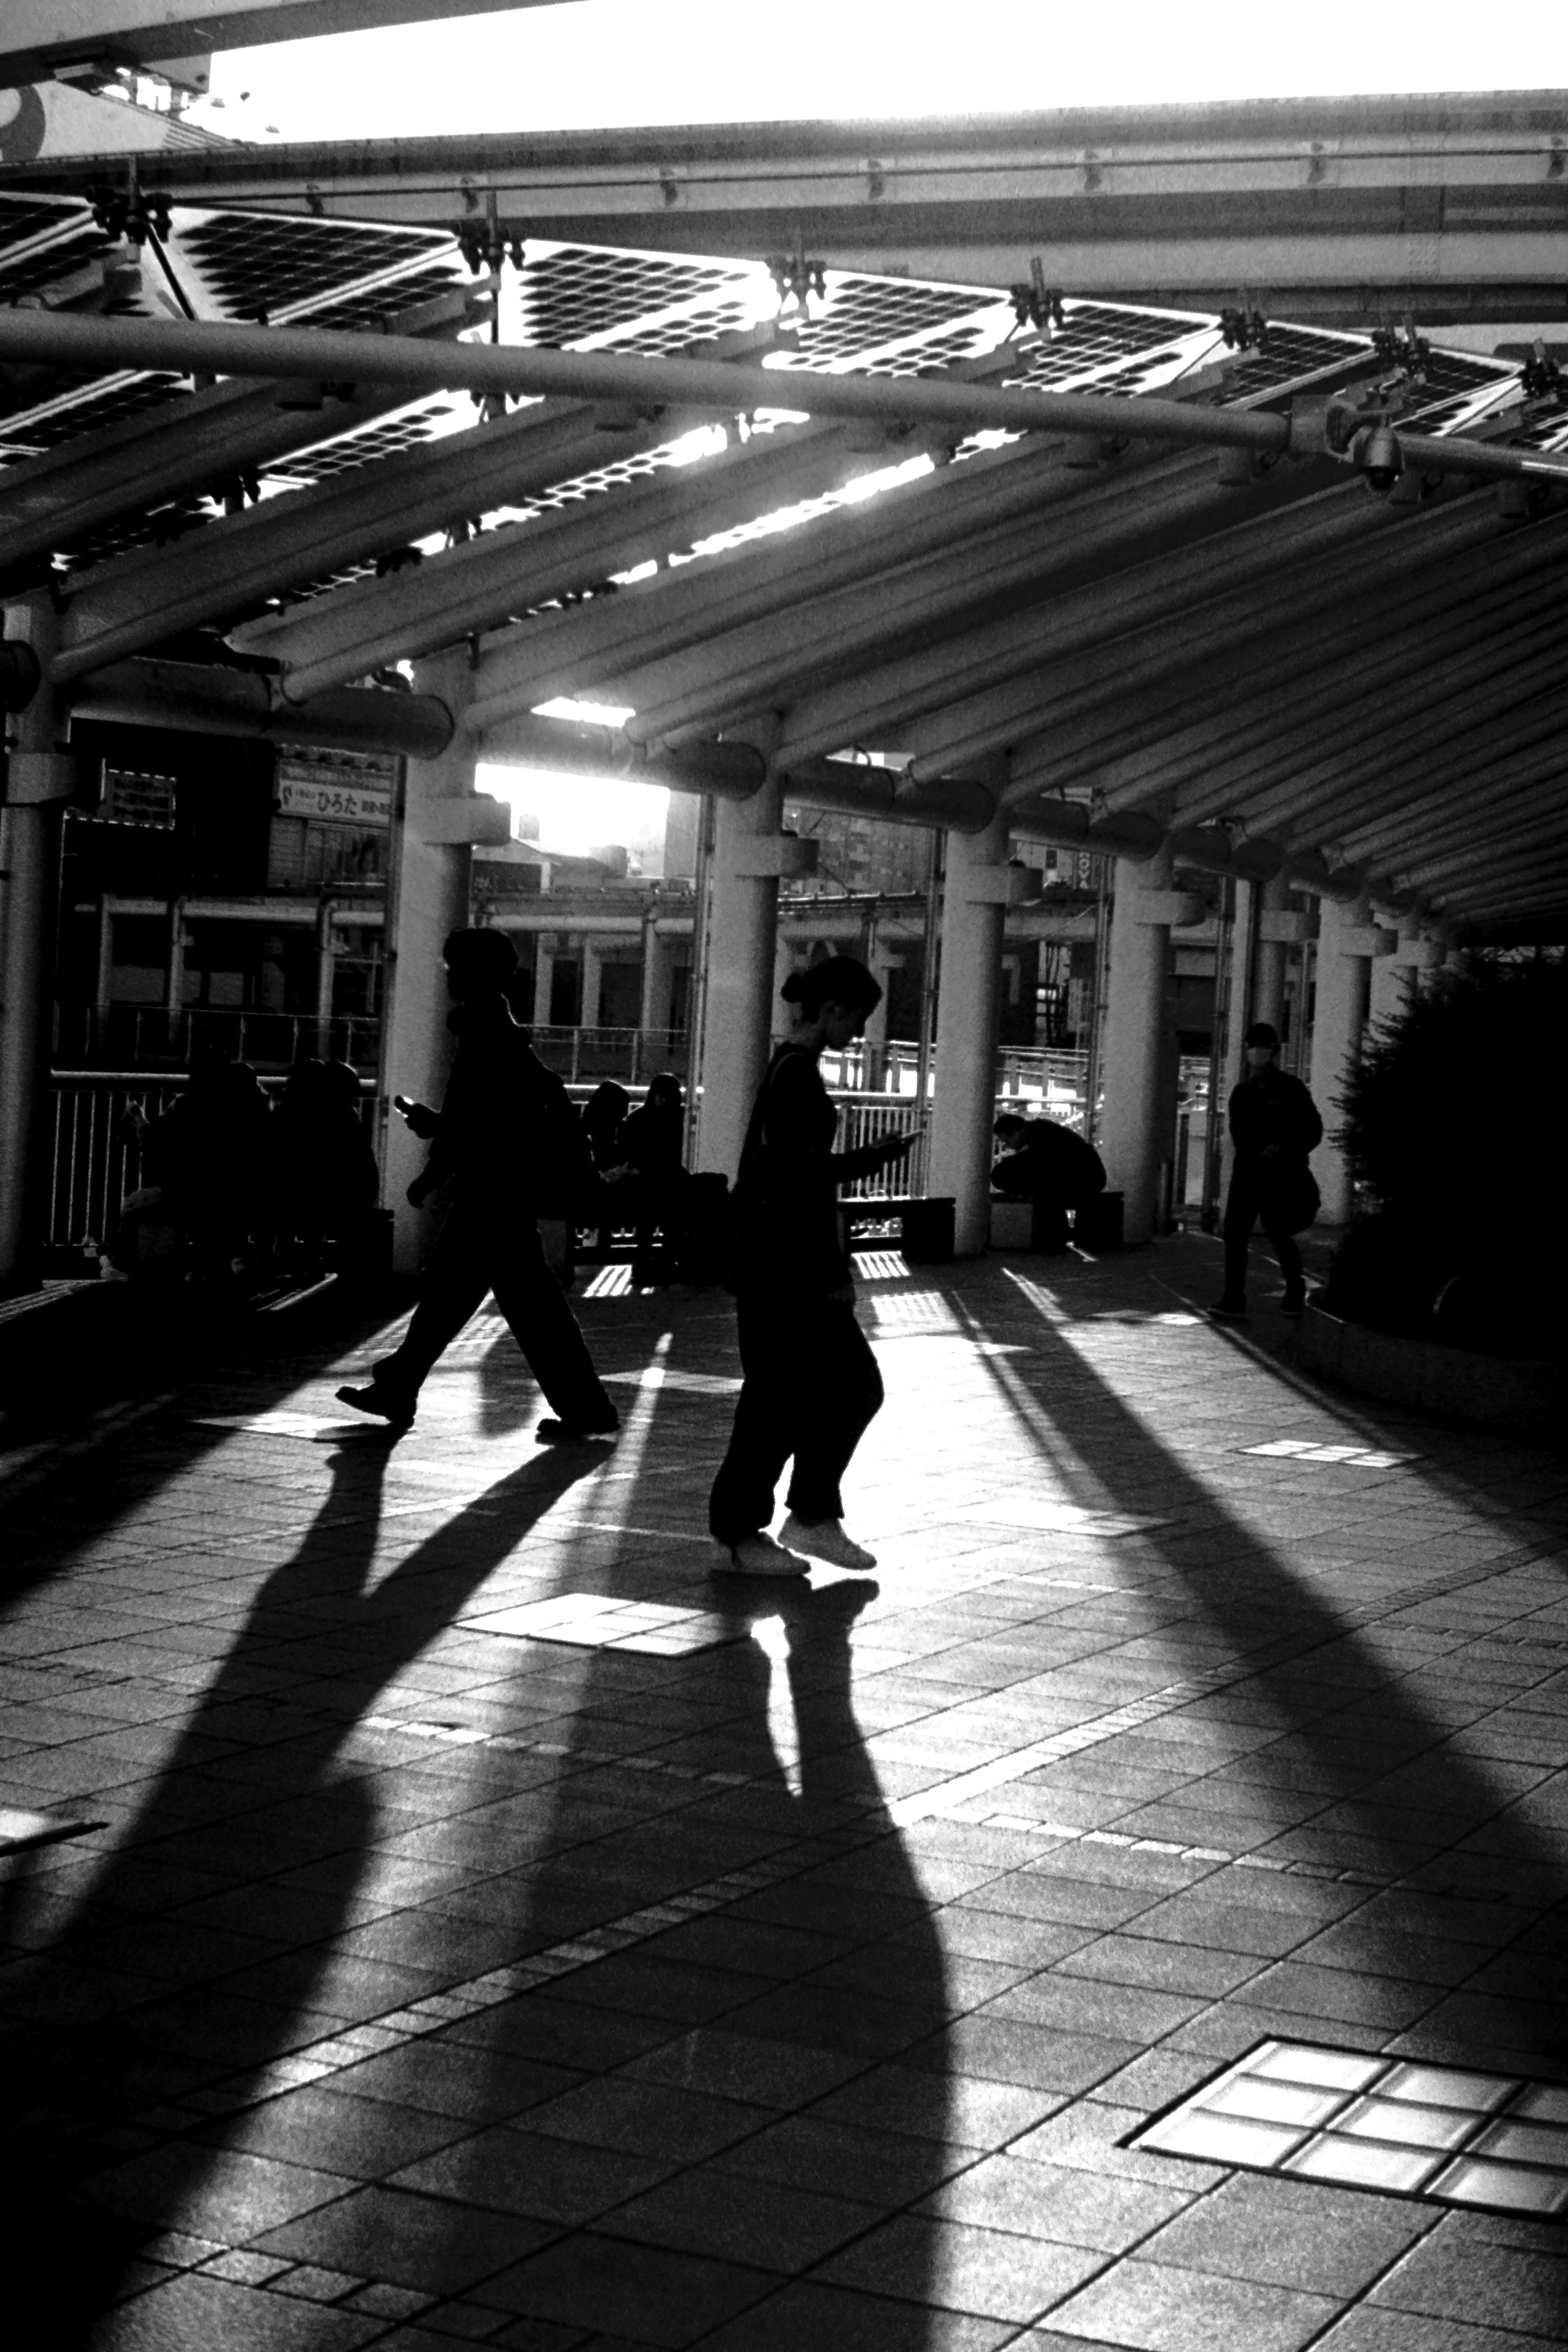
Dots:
{"x": 743, "y": 921}
{"x": 657, "y": 979}
{"x": 1272, "y": 952}
{"x": 543, "y": 978}
{"x": 1389, "y": 991}
{"x": 883, "y": 967}
{"x": 1241, "y": 950}
{"x": 437, "y": 821}
{"x": 593, "y": 983}
{"x": 1346, "y": 947}
{"x": 975, "y": 895}
{"x": 39, "y": 782}
{"x": 1133, "y": 1141}
{"x": 788, "y": 956}
{"x": 326, "y": 972}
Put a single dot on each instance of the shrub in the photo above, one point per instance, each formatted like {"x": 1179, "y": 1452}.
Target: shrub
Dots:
{"x": 1453, "y": 1126}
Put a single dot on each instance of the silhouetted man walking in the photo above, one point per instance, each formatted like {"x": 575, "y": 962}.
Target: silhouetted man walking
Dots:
{"x": 503, "y": 1147}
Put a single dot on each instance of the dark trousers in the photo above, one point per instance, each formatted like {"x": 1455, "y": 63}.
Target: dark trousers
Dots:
{"x": 1246, "y": 1203}
{"x": 474, "y": 1254}
{"x": 812, "y": 1389}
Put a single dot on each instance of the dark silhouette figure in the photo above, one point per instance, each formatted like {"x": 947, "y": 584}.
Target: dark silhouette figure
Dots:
{"x": 811, "y": 1386}
{"x": 204, "y": 1197}
{"x": 1274, "y": 1125}
{"x": 651, "y": 1141}
{"x": 324, "y": 1173}
{"x": 604, "y": 1202}
{"x": 1045, "y": 1163}
{"x": 505, "y": 1150}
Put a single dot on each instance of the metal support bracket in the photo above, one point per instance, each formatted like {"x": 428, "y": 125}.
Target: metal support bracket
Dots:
{"x": 1177, "y": 909}
{"x": 1368, "y": 940}
{"x": 781, "y": 856}
{"x": 36, "y": 779}
{"x": 480, "y": 822}
{"x": 1002, "y": 886}
{"x": 1278, "y": 927}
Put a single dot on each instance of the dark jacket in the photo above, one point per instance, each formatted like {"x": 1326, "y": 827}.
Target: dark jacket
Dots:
{"x": 787, "y": 1237}
{"x": 1272, "y": 1113}
{"x": 508, "y": 1135}
{"x": 1051, "y": 1164}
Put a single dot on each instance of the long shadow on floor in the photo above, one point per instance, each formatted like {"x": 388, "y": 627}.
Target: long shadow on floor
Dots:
{"x": 658, "y": 2145}
{"x": 1457, "y": 1952}
{"x": 256, "y": 1807}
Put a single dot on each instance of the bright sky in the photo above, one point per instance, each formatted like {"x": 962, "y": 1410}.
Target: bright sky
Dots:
{"x": 603, "y": 63}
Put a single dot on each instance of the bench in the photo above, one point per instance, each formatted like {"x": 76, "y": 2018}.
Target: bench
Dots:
{"x": 925, "y": 1226}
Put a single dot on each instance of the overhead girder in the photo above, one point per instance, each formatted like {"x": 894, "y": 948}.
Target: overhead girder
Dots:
{"x": 884, "y": 697}
{"x": 1446, "y": 871}
{"x": 140, "y": 600}
{"x": 768, "y": 664}
{"x": 1314, "y": 765}
{"x": 622, "y": 636}
{"x": 1314, "y": 587}
{"x": 192, "y": 698}
{"x": 1314, "y": 721}
{"x": 468, "y": 589}
{"x": 84, "y": 484}
{"x": 1327, "y": 801}
{"x": 1447, "y": 810}
{"x": 1211, "y": 671}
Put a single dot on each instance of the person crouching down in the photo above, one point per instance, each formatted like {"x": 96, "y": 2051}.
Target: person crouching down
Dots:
{"x": 811, "y": 1384}
{"x": 505, "y": 1150}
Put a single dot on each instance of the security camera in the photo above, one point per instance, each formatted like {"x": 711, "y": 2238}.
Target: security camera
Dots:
{"x": 1379, "y": 460}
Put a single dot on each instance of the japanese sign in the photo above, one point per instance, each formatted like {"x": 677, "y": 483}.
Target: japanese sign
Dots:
{"x": 330, "y": 796}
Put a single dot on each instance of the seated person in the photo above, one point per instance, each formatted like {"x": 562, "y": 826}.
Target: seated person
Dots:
{"x": 1043, "y": 1162}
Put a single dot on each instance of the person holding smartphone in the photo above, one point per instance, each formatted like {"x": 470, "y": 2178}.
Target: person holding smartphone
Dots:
{"x": 505, "y": 1150}
{"x": 811, "y": 1384}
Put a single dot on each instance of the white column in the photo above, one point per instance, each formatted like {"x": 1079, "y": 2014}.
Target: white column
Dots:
{"x": 1133, "y": 1142}
{"x": 975, "y": 895}
{"x": 593, "y": 983}
{"x": 437, "y": 821}
{"x": 1272, "y": 953}
{"x": 39, "y": 782}
{"x": 1241, "y": 948}
{"x": 656, "y": 976}
{"x": 326, "y": 969}
{"x": 742, "y": 923}
{"x": 788, "y": 954}
{"x": 1346, "y": 945}
{"x": 543, "y": 978}
{"x": 883, "y": 967}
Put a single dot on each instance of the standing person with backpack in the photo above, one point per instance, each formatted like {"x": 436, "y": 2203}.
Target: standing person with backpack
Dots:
{"x": 811, "y": 1385}
{"x": 506, "y": 1149}
{"x": 1275, "y": 1126}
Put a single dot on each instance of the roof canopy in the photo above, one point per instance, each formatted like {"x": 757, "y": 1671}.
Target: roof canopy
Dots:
{"x": 834, "y": 515}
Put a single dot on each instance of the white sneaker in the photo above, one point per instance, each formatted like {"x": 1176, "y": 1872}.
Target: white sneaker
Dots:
{"x": 827, "y": 1541}
{"x": 760, "y": 1556}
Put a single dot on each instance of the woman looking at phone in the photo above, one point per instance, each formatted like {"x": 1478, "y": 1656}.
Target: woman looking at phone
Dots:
{"x": 811, "y": 1383}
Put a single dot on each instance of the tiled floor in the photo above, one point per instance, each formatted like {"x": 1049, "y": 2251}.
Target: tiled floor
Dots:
{"x": 504, "y": 1934}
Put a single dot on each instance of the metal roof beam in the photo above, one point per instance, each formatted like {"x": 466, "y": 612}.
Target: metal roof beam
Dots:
{"x": 337, "y": 356}
{"x": 41, "y": 39}
{"x": 94, "y": 480}
{"x": 1166, "y": 672}
{"x": 126, "y": 606}
{"x": 468, "y": 589}
{"x": 191, "y": 698}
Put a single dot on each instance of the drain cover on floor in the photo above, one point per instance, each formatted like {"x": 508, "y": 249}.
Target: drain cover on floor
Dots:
{"x": 1313, "y": 2113}
{"x": 594, "y": 1621}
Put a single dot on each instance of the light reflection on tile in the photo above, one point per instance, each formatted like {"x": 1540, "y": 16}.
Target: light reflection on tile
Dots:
{"x": 1543, "y": 2103}
{"x": 1274, "y": 2103}
{"x": 1222, "y": 2139}
{"x": 1334, "y": 2069}
{"x": 1390, "y": 2119}
{"x": 1365, "y": 2164}
{"x": 1472, "y": 2181}
{"x": 1526, "y": 2143}
{"x": 1445, "y": 2087}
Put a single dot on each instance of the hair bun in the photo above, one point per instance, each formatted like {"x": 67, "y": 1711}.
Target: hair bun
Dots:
{"x": 794, "y": 988}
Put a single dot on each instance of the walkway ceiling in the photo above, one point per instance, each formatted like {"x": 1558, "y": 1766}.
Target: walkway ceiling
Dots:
{"x": 1095, "y": 620}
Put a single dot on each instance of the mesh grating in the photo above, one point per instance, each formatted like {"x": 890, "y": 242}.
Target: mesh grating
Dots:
{"x": 687, "y": 327}
{"x": 1292, "y": 352}
{"x": 861, "y": 314}
{"x": 389, "y": 438}
{"x": 45, "y": 264}
{"x": 24, "y": 217}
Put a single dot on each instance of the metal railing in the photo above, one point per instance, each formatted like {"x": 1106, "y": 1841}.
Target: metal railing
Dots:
{"x": 119, "y": 1037}
{"x": 628, "y": 1056}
